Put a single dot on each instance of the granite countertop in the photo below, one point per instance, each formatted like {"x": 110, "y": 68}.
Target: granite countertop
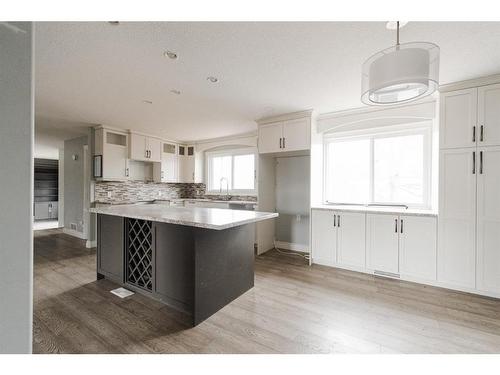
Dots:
{"x": 209, "y": 218}
{"x": 376, "y": 209}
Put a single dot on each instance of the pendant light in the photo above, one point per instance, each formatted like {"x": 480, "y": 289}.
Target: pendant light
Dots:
{"x": 400, "y": 73}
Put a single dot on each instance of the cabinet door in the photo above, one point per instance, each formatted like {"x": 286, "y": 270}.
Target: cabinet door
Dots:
{"x": 382, "y": 243}
{"x": 324, "y": 237}
{"x": 458, "y": 116}
{"x": 488, "y": 220}
{"x": 296, "y": 135}
{"x": 110, "y": 246}
{"x": 41, "y": 210}
{"x": 418, "y": 246}
{"x": 351, "y": 250}
{"x": 270, "y": 138}
{"x": 489, "y": 115}
{"x": 154, "y": 148}
{"x": 169, "y": 167}
{"x": 457, "y": 217}
{"x": 138, "y": 147}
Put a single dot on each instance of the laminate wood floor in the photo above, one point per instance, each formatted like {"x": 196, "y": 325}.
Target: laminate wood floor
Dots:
{"x": 293, "y": 308}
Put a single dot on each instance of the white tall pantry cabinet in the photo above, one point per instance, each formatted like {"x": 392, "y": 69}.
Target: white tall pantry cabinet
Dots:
{"x": 469, "y": 189}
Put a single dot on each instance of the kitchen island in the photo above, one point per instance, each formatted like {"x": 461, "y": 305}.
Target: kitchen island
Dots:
{"x": 196, "y": 260}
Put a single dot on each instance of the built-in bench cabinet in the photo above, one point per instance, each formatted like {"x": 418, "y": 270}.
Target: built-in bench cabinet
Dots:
{"x": 385, "y": 244}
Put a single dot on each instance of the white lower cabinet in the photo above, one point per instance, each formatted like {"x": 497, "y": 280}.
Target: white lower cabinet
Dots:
{"x": 382, "y": 243}
{"x": 418, "y": 247}
{"x": 338, "y": 238}
{"x": 324, "y": 233}
{"x": 488, "y": 220}
{"x": 351, "y": 247}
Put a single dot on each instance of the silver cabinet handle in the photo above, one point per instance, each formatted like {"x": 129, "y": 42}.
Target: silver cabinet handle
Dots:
{"x": 338, "y": 221}
{"x": 473, "y": 162}
{"x": 473, "y": 134}
{"x": 284, "y": 146}
{"x": 401, "y": 229}
{"x": 395, "y": 225}
{"x": 126, "y": 172}
{"x": 481, "y": 134}
{"x": 280, "y": 142}
{"x": 334, "y": 220}
{"x": 480, "y": 162}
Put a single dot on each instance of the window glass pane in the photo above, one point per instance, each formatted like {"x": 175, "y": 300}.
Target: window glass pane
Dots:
{"x": 220, "y": 167}
{"x": 348, "y": 171}
{"x": 399, "y": 169}
{"x": 244, "y": 172}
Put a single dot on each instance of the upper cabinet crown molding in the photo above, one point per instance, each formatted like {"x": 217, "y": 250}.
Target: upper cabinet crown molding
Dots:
{"x": 470, "y": 83}
{"x": 284, "y": 117}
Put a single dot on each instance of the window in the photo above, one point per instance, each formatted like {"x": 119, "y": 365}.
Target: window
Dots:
{"x": 386, "y": 166}
{"x": 235, "y": 167}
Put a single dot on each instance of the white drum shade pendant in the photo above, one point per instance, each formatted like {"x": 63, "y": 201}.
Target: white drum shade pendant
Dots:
{"x": 401, "y": 73}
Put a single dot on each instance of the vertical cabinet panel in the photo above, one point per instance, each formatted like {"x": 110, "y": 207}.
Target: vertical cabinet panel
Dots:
{"x": 296, "y": 135}
{"x": 270, "y": 138}
{"x": 137, "y": 147}
{"x": 417, "y": 247}
{"x": 110, "y": 246}
{"x": 351, "y": 239}
{"x": 458, "y": 116}
{"x": 489, "y": 115}
{"x": 488, "y": 220}
{"x": 457, "y": 213}
{"x": 382, "y": 243}
{"x": 113, "y": 146}
{"x": 323, "y": 237}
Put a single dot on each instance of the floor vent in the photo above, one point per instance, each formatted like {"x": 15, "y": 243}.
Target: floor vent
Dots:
{"x": 72, "y": 226}
{"x": 386, "y": 274}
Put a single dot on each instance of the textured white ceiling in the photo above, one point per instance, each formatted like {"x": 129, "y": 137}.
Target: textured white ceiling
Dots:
{"x": 98, "y": 73}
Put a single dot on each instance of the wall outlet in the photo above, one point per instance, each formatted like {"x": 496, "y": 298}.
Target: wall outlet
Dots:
{"x": 298, "y": 217}
{"x": 110, "y": 194}
{"x": 159, "y": 193}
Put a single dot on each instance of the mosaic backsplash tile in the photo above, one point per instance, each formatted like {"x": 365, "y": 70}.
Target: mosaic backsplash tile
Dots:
{"x": 136, "y": 191}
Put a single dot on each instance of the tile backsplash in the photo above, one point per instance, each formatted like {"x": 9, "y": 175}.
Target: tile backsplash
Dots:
{"x": 133, "y": 191}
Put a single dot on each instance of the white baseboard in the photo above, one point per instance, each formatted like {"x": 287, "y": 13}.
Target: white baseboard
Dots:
{"x": 74, "y": 233}
{"x": 291, "y": 246}
{"x": 89, "y": 244}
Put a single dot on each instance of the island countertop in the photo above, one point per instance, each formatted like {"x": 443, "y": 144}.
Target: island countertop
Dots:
{"x": 209, "y": 218}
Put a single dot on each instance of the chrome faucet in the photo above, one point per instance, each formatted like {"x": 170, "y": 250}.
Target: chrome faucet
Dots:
{"x": 227, "y": 187}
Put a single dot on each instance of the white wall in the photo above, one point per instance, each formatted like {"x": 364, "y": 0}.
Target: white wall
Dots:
{"x": 16, "y": 187}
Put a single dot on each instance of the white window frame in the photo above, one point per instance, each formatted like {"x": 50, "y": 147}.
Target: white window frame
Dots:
{"x": 421, "y": 128}
{"x": 230, "y": 152}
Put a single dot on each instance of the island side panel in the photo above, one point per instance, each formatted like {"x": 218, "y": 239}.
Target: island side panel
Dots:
{"x": 224, "y": 267}
{"x": 174, "y": 265}
{"x": 110, "y": 247}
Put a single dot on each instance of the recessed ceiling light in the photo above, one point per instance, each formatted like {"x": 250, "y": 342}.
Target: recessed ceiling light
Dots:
{"x": 170, "y": 55}
{"x": 393, "y": 25}
{"x": 147, "y": 102}
{"x": 213, "y": 79}
{"x": 114, "y": 23}
{"x": 176, "y": 92}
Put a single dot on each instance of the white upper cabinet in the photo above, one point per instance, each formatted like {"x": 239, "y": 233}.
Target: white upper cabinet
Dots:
{"x": 351, "y": 247}
{"x": 418, "y": 246}
{"x": 458, "y": 119}
{"x": 457, "y": 217}
{"x": 488, "y": 220}
{"x": 488, "y": 121}
{"x": 167, "y": 170}
{"x": 296, "y": 135}
{"x": 323, "y": 237}
{"x": 144, "y": 148}
{"x": 382, "y": 247}
{"x": 283, "y": 136}
{"x": 271, "y": 138}
{"x": 111, "y": 154}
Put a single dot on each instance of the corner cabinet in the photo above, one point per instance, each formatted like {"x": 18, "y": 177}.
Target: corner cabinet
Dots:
{"x": 168, "y": 169}
{"x": 111, "y": 152}
{"x": 284, "y": 136}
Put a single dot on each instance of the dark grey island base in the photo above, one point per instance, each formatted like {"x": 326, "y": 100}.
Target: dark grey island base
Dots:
{"x": 192, "y": 269}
